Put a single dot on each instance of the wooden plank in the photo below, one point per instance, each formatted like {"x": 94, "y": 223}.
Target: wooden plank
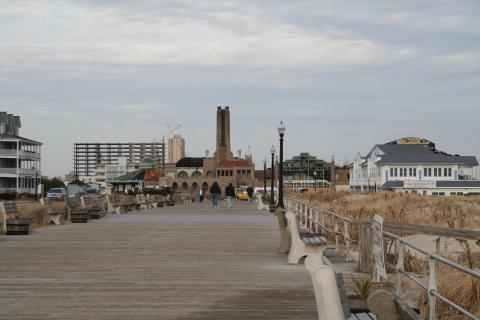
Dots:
{"x": 363, "y": 316}
{"x": 183, "y": 262}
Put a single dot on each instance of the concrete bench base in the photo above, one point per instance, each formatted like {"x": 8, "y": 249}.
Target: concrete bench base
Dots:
{"x": 54, "y": 217}
{"x": 18, "y": 226}
{"x": 80, "y": 216}
{"x": 299, "y": 248}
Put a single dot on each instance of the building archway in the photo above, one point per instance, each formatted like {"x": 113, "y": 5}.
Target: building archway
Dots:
{"x": 210, "y": 174}
{"x": 184, "y": 186}
{"x": 196, "y": 174}
{"x": 175, "y": 186}
{"x": 194, "y": 186}
{"x": 205, "y": 186}
{"x": 182, "y": 175}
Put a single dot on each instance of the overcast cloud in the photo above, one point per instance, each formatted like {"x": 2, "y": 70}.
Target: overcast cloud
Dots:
{"x": 343, "y": 75}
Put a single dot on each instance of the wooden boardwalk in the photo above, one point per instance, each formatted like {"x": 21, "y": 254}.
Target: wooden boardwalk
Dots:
{"x": 187, "y": 262}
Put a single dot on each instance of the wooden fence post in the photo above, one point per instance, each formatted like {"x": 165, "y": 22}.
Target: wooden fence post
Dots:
{"x": 365, "y": 254}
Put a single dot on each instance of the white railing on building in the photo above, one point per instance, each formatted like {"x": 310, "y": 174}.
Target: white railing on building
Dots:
{"x": 8, "y": 152}
{"x": 29, "y": 172}
{"x": 20, "y": 153}
{"x": 8, "y": 170}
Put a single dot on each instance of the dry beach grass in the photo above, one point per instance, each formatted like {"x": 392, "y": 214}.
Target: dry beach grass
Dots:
{"x": 448, "y": 212}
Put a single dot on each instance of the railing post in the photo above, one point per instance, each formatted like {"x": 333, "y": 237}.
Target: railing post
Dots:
{"x": 400, "y": 267}
{"x": 346, "y": 235}
{"x": 432, "y": 287}
{"x": 337, "y": 248}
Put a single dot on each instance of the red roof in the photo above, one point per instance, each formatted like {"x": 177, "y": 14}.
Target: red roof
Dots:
{"x": 236, "y": 164}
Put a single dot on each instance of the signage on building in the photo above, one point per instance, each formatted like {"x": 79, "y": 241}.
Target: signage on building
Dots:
{"x": 377, "y": 250}
{"x": 419, "y": 184}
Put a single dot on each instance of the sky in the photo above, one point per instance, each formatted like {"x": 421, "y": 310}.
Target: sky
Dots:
{"x": 342, "y": 75}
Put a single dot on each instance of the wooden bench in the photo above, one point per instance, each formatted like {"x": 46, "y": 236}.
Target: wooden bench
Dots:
{"x": 141, "y": 202}
{"x": 170, "y": 200}
{"x": 115, "y": 204}
{"x": 53, "y": 216}
{"x": 74, "y": 202}
{"x": 80, "y": 216}
{"x": 14, "y": 225}
{"x": 97, "y": 208}
{"x": 303, "y": 243}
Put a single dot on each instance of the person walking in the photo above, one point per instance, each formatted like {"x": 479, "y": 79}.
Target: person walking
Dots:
{"x": 215, "y": 193}
{"x": 230, "y": 193}
{"x": 250, "y": 193}
{"x": 201, "y": 194}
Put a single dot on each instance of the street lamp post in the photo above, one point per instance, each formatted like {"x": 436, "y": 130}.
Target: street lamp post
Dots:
{"x": 315, "y": 180}
{"x": 36, "y": 185}
{"x": 281, "y": 131}
{"x": 272, "y": 192}
{"x": 265, "y": 176}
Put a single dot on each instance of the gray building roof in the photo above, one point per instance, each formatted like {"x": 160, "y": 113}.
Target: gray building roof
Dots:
{"x": 190, "y": 163}
{"x": 419, "y": 154}
{"x": 22, "y": 139}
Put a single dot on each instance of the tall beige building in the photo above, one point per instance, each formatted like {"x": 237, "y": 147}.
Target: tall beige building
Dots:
{"x": 176, "y": 148}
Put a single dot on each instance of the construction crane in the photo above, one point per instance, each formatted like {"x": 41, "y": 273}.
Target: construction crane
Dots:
{"x": 172, "y": 130}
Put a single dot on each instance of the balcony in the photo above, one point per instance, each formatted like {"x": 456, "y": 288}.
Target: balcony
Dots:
{"x": 14, "y": 171}
{"x": 22, "y": 154}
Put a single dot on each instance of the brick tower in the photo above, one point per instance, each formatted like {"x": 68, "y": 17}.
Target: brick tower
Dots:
{"x": 223, "y": 152}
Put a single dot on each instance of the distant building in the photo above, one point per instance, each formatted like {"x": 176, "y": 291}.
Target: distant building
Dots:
{"x": 87, "y": 156}
{"x": 342, "y": 178}
{"x": 147, "y": 177}
{"x": 20, "y": 158}
{"x": 106, "y": 173}
{"x": 414, "y": 165}
{"x": 223, "y": 167}
{"x": 176, "y": 148}
{"x": 304, "y": 171}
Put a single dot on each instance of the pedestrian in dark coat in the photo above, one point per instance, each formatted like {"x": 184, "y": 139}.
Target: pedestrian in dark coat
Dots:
{"x": 215, "y": 192}
{"x": 230, "y": 193}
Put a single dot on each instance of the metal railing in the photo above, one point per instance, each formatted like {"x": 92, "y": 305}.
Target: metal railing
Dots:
{"x": 313, "y": 216}
{"x": 315, "y": 219}
{"x": 433, "y": 259}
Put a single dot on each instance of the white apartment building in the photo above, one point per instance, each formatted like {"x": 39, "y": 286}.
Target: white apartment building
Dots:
{"x": 414, "y": 165}
{"x": 19, "y": 158}
{"x": 176, "y": 148}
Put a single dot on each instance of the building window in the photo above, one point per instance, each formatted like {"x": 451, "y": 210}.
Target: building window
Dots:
{"x": 182, "y": 175}
{"x": 450, "y": 173}
{"x": 414, "y": 172}
{"x": 434, "y": 172}
{"x": 396, "y": 172}
{"x": 391, "y": 172}
{"x": 429, "y": 172}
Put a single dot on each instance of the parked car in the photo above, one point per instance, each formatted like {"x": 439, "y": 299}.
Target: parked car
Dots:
{"x": 242, "y": 194}
{"x": 56, "y": 193}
